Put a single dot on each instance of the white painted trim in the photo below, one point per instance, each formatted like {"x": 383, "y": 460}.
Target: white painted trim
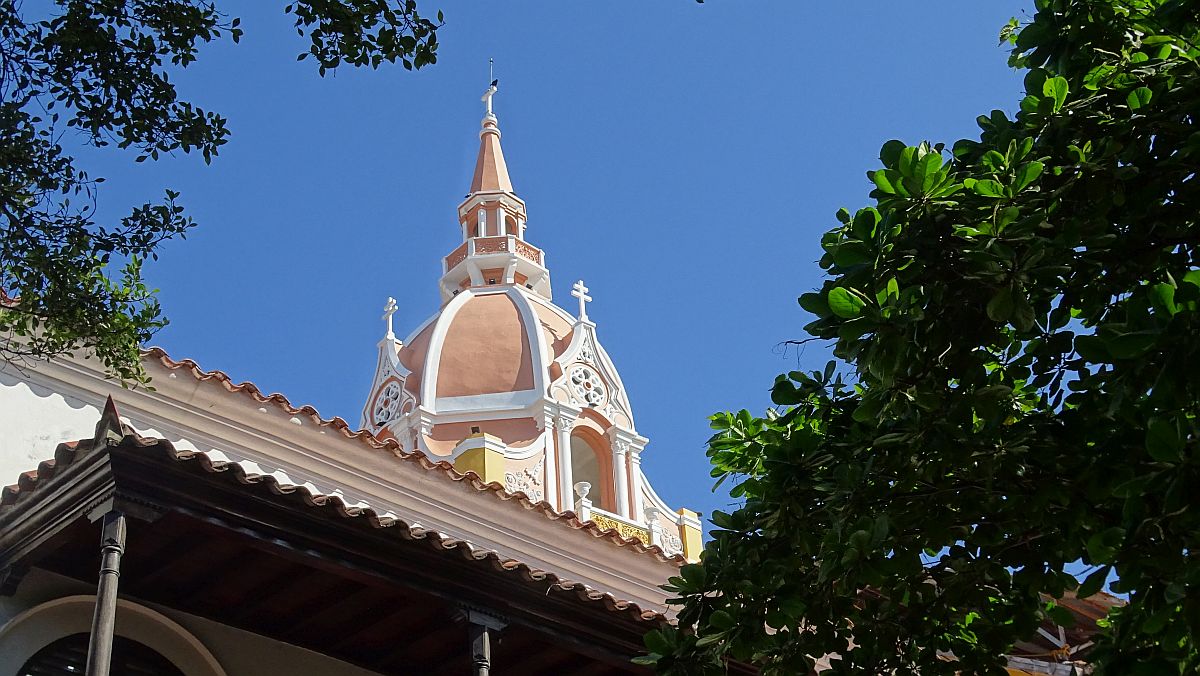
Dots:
{"x": 537, "y": 338}
{"x": 24, "y": 635}
{"x": 487, "y": 442}
{"x": 496, "y": 401}
{"x": 387, "y": 364}
{"x": 525, "y": 452}
{"x": 658, "y": 502}
{"x": 487, "y": 414}
{"x": 610, "y": 370}
{"x": 505, "y": 198}
{"x": 437, "y": 340}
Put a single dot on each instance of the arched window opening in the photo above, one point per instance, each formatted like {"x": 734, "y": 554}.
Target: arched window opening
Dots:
{"x": 68, "y": 657}
{"x": 586, "y": 466}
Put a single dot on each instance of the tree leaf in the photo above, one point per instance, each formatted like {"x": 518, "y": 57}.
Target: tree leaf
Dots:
{"x": 1139, "y": 97}
{"x": 845, "y": 304}
{"x": 1027, "y": 174}
{"x": 1056, "y": 88}
{"x": 889, "y": 154}
{"x": 1162, "y": 440}
{"x": 988, "y": 188}
{"x": 721, "y": 619}
{"x": 1093, "y": 583}
{"x": 815, "y": 303}
{"x": 1130, "y": 345}
{"x": 1000, "y": 307}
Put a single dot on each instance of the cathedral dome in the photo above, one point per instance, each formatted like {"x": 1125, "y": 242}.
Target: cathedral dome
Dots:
{"x": 516, "y": 337}
{"x": 502, "y": 383}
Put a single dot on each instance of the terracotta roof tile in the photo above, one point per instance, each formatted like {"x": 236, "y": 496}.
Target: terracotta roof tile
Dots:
{"x": 256, "y": 395}
{"x": 197, "y": 461}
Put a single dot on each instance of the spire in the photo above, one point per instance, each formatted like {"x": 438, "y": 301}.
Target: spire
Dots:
{"x": 491, "y": 172}
{"x": 491, "y": 219}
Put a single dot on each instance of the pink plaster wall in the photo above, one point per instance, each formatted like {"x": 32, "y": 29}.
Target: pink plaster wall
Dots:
{"x": 413, "y": 357}
{"x": 557, "y": 329}
{"x": 486, "y": 350}
{"x": 515, "y": 432}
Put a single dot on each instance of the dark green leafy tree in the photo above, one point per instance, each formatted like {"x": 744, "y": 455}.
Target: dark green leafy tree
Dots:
{"x": 1018, "y": 323}
{"x": 96, "y": 72}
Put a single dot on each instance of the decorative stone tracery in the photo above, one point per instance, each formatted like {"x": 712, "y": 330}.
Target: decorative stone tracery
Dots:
{"x": 587, "y": 386}
{"x": 586, "y": 353}
{"x": 386, "y": 404}
{"x": 527, "y": 481}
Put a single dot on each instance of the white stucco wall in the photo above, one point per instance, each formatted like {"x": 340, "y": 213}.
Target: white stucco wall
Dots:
{"x": 34, "y": 420}
{"x": 237, "y": 652}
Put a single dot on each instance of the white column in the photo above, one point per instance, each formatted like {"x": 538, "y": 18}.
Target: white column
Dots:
{"x": 483, "y": 223}
{"x": 635, "y": 483}
{"x": 550, "y": 485}
{"x": 501, "y": 222}
{"x": 566, "y": 491}
{"x": 620, "y": 449}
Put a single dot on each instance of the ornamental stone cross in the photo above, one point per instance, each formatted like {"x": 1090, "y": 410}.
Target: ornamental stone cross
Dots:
{"x": 581, "y": 292}
{"x": 388, "y": 310}
{"x": 487, "y": 100}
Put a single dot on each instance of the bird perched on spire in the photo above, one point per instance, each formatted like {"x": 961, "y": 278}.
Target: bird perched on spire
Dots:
{"x": 496, "y": 83}
{"x": 487, "y": 96}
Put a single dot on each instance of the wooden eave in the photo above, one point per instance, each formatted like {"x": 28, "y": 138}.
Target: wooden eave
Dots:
{"x": 277, "y": 561}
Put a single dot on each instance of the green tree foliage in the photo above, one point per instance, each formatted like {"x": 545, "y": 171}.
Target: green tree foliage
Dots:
{"x": 1019, "y": 320}
{"x": 95, "y": 72}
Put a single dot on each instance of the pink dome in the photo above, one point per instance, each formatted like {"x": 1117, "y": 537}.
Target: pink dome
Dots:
{"x": 486, "y": 343}
{"x": 486, "y": 330}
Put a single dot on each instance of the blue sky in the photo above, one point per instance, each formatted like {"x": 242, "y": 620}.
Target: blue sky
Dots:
{"x": 683, "y": 159}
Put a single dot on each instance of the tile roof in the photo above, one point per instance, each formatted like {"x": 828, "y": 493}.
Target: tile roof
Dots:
{"x": 567, "y": 518}
{"x": 198, "y": 462}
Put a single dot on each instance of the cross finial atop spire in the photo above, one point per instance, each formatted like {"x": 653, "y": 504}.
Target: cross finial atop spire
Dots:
{"x": 581, "y": 292}
{"x": 487, "y": 99}
{"x": 388, "y": 310}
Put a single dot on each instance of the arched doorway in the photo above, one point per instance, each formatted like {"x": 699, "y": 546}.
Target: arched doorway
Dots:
{"x": 68, "y": 657}
{"x": 57, "y": 625}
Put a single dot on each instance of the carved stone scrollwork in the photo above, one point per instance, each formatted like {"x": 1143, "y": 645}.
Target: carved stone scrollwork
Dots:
{"x": 527, "y": 481}
{"x": 624, "y": 529}
{"x": 671, "y": 544}
{"x": 620, "y": 446}
{"x": 586, "y": 353}
{"x": 528, "y": 252}
{"x": 491, "y": 245}
{"x": 564, "y": 421}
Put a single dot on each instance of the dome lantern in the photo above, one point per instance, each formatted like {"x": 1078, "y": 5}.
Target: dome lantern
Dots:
{"x": 492, "y": 221}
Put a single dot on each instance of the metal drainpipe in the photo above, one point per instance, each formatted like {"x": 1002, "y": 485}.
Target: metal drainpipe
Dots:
{"x": 112, "y": 546}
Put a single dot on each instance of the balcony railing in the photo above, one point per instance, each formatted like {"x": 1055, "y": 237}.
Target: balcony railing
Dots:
{"x": 457, "y": 256}
{"x": 625, "y": 527}
{"x": 493, "y": 245}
